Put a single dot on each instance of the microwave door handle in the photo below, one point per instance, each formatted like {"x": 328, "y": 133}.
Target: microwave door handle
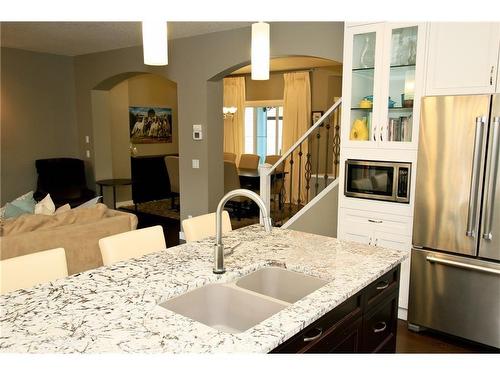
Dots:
{"x": 491, "y": 180}
{"x": 474, "y": 183}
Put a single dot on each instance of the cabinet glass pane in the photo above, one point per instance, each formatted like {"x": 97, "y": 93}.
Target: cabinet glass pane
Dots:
{"x": 363, "y": 63}
{"x": 401, "y": 85}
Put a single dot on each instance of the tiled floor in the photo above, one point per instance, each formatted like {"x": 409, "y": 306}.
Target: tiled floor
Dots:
{"x": 433, "y": 342}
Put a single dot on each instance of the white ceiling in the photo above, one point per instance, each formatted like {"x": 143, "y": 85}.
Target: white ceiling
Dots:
{"x": 79, "y": 38}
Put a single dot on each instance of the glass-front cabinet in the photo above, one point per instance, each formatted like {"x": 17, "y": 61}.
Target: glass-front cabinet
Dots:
{"x": 382, "y": 85}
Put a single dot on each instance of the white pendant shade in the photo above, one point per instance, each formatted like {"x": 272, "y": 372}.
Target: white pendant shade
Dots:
{"x": 260, "y": 51}
{"x": 155, "y": 42}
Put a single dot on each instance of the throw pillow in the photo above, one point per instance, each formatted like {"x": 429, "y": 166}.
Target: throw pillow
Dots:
{"x": 24, "y": 203}
{"x": 12, "y": 211}
{"x": 45, "y": 206}
{"x": 64, "y": 208}
{"x": 90, "y": 203}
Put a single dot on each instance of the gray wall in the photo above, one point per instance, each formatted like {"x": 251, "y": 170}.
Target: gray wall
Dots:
{"x": 38, "y": 117}
{"x": 196, "y": 64}
{"x": 326, "y": 208}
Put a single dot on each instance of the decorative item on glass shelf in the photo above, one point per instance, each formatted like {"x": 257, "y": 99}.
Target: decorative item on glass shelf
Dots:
{"x": 367, "y": 57}
{"x": 359, "y": 130}
{"x": 409, "y": 90}
{"x": 228, "y": 112}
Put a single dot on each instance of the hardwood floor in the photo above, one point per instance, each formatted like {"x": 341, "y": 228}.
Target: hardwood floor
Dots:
{"x": 434, "y": 342}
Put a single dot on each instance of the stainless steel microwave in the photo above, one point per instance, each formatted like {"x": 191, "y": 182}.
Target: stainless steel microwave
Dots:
{"x": 379, "y": 180}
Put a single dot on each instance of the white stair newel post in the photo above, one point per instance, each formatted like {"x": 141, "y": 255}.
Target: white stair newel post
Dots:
{"x": 265, "y": 187}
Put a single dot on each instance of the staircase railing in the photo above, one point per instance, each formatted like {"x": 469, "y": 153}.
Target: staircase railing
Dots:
{"x": 304, "y": 170}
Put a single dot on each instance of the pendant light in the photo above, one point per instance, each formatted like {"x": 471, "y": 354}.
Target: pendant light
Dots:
{"x": 155, "y": 42}
{"x": 260, "y": 51}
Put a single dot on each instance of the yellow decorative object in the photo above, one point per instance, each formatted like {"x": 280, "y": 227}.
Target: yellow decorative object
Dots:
{"x": 365, "y": 104}
{"x": 359, "y": 130}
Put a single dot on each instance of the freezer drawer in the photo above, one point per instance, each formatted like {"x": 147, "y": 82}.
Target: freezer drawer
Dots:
{"x": 455, "y": 295}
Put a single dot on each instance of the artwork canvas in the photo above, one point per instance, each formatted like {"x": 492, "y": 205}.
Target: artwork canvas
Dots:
{"x": 150, "y": 125}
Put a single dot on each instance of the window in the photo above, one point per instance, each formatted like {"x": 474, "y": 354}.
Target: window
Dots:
{"x": 263, "y": 130}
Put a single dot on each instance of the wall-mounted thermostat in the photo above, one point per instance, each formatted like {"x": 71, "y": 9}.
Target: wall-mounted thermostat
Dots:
{"x": 197, "y": 133}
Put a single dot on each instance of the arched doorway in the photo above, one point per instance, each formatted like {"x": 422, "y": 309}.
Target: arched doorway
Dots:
{"x": 114, "y": 101}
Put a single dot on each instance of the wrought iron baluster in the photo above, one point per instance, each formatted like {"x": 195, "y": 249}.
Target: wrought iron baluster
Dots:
{"x": 282, "y": 195}
{"x": 299, "y": 191}
{"x": 327, "y": 148}
{"x": 307, "y": 175}
{"x": 336, "y": 143}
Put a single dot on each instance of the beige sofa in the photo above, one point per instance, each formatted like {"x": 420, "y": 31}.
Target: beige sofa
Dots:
{"x": 77, "y": 231}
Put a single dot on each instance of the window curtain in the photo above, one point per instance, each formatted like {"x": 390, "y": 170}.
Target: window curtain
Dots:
{"x": 296, "y": 121}
{"x": 234, "y": 96}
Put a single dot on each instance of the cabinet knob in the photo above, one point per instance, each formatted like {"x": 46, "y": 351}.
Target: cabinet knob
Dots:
{"x": 317, "y": 332}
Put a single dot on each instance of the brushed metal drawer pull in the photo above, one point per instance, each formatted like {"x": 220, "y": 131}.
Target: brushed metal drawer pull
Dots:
{"x": 383, "y": 285}
{"x": 375, "y": 221}
{"x": 317, "y": 336}
{"x": 383, "y": 327}
{"x": 462, "y": 265}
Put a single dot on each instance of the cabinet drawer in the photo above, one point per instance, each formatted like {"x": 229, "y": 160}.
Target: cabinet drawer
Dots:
{"x": 346, "y": 339}
{"x": 341, "y": 316}
{"x": 382, "y": 287}
{"x": 380, "y": 325}
{"x": 362, "y": 221}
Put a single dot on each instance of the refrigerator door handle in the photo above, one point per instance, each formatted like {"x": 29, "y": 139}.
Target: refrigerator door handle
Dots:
{"x": 491, "y": 179}
{"x": 474, "y": 183}
{"x": 453, "y": 263}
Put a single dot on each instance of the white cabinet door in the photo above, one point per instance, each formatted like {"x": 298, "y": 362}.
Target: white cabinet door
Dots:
{"x": 462, "y": 58}
{"x": 356, "y": 228}
{"x": 403, "y": 243}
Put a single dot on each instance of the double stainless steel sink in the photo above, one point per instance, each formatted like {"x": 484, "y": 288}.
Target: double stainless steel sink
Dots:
{"x": 237, "y": 306}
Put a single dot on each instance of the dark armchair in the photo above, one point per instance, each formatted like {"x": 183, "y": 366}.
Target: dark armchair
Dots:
{"x": 64, "y": 179}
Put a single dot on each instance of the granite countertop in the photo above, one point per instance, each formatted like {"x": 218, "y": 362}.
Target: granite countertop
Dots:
{"x": 115, "y": 308}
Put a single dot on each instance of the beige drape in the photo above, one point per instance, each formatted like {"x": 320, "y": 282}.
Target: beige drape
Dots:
{"x": 234, "y": 96}
{"x": 296, "y": 121}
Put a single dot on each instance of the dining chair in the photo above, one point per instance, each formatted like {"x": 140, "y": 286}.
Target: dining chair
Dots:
{"x": 229, "y": 156}
{"x": 232, "y": 182}
{"x": 26, "y": 271}
{"x": 203, "y": 226}
{"x": 132, "y": 244}
{"x": 172, "y": 164}
{"x": 249, "y": 161}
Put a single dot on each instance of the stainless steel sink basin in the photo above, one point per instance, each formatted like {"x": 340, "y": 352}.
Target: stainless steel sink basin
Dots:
{"x": 280, "y": 283}
{"x": 224, "y": 307}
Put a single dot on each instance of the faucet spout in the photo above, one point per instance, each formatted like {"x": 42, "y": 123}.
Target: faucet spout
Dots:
{"x": 219, "y": 246}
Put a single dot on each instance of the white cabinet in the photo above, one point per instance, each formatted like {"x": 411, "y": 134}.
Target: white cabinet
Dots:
{"x": 462, "y": 58}
{"x": 383, "y": 82}
{"x": 381, "y": 230}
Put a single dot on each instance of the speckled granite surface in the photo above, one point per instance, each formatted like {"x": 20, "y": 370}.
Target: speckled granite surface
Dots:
{"x": 115, "y": 308}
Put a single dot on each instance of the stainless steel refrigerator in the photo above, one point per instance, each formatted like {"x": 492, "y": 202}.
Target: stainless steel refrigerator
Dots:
{"x": 455, "y": 263}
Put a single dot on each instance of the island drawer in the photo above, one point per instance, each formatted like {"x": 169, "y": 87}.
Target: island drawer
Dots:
{"x": 382, "y": 287}
{"x": 380, "y": 325}
{"x": 337, "y": 319}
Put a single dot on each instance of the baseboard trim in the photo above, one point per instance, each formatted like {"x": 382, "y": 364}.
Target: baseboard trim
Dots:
{"x": 402, "y": 313}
